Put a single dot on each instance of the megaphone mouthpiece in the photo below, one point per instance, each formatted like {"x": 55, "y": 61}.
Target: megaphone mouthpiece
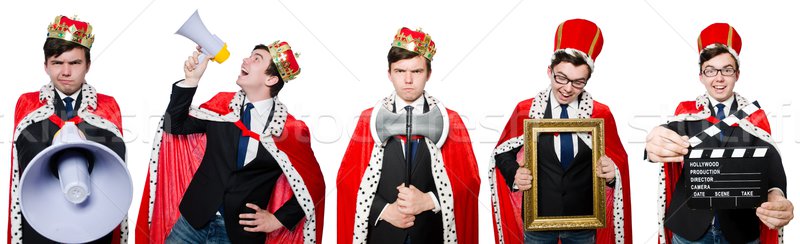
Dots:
{"x": 73, "y": 173}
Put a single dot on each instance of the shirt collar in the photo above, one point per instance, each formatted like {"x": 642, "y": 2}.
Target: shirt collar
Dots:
{"x": 262, "y": 107}
{"x": 727, "y": 102}
{"x": 417, "y": 104}
{"x": 554, "y": 102}
{"x": 74, "y": 96}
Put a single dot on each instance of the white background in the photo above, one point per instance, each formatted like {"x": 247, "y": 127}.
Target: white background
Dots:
{"x": 491, "y": 55}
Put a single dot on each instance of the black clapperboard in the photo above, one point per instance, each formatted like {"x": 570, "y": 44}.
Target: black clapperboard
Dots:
{"x": 725, "y": 177}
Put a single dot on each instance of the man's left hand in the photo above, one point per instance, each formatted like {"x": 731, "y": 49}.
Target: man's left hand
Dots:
{"x": 606, "y": 169}
{"x": 261, "y": 220}
{"x": 412, "y": 201}
{"x": 776, "y": 212}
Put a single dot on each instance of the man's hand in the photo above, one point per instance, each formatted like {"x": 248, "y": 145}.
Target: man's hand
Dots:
{"x": 523, "y": 179}
{"x": 606, "y": 169}
{"x": 412, "y": 201}
{"x": 664, "y": 145}
{"x": 393, "y": 215}
{"x": 261, "y": 220}
{"x": 776, "y": 212}
{"x": 193, "y": 68}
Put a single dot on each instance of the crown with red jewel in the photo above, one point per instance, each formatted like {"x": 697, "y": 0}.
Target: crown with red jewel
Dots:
{"x": 415, "y": 41}
{"x": 285, "y": 60}
{"x": 71, "y": 30}
{"x": 579, "y": 37}
{"x": 720, "y": 34}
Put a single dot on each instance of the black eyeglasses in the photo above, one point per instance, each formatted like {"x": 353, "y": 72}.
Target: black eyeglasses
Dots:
{"x": 563, "y": 80}
{"x": 711, "y": 72}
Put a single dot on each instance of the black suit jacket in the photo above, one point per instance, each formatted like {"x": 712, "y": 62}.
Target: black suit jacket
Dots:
{"x": 738, "y": 225}
{"x": 562, "y": 192}
{"x": 38, "y": 136}
{"x": 427, "y": 225}
{"x": 217, "y": 181}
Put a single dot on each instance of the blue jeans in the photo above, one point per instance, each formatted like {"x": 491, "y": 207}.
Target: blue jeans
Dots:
{"x": 566, "y": 236}
{"x": 213, "y": 232}
{"x": 712, "y": 236}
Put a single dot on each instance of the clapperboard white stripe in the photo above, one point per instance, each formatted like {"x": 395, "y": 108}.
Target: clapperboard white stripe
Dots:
{"x": 734, "y": 152}
{"x": 734, "y": 118}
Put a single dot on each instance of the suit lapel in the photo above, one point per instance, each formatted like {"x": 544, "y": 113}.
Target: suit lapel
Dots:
{"x": 421, "y": 154}
{"x": 232, "y": 134}
{"x": 583, "y": 152}
{"x": 547, "y": 148}
{"x": 546, "y": 140}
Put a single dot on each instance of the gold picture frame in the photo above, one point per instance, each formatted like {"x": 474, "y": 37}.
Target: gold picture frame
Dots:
{"x": 534, "y": 222}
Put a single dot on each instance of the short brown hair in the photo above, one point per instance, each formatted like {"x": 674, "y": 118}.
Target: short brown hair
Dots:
{"x": 716, "y": 50}
{"x": 562, "y": 56}
{"x": 272, "y": 70}
{"x": 397, "y": 54}
{"x": 54, "y": 47}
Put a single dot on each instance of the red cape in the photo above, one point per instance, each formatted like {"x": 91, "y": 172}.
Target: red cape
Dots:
{"x": 107, "y": 109}
{"x": 672, "y": 171}
{"x": 178, "y": 156}
{"x": 458, "y": 159}
{"x": 509, "y": 207}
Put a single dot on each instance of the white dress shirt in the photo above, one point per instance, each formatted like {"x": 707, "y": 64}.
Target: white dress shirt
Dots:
{"x": 74, "y": 97}
{"x": 727, "y": 108}
{"x": 259, "y": 117}
{"x": 572, "y": 112}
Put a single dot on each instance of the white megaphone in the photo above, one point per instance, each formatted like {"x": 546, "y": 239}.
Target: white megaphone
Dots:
{"x": 75, "y": 191}
{"x": 210, "y": 44}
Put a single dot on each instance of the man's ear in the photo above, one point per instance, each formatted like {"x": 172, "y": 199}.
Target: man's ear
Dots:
{"x": 271, "y": 81}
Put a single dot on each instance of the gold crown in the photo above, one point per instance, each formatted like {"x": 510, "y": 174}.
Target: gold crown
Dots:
{"x": 415, "y": 41}
{"x": 71, "y": 30}
{"x": 285, "y": 60}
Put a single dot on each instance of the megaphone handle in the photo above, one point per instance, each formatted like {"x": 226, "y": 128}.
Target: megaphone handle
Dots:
{"x": 202, "y": 56}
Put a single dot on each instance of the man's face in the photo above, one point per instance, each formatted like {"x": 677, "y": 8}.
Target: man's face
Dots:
{"x": 409, "y": 77}
{"x": 68, "y": 70}
{"x": 719, "y": 86}
{"x": 254, "y": 70}
{"x": 566, "y": 93}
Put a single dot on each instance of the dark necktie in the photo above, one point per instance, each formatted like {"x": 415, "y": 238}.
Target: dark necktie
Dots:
{"x": 244, "y": 140}
{"x": 720, "y": 116}
{"x": 567, "y": 151}
{"x": 68, "y": 107}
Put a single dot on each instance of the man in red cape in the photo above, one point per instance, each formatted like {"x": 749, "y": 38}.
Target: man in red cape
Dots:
{"x": 67, "y": 98}
{"x": 577, "y": 44}
{"x": 719, "y": 46}
{"x": 440, "y": 204}
{"x": 259, "y": 181}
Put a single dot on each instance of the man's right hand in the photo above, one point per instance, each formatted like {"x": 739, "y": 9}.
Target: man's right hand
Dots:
{"x": 393, "y": 215}
{"x": 665, "y": 145}
{"x": 523, "y": 179}
{"x": 194, "y": 68}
